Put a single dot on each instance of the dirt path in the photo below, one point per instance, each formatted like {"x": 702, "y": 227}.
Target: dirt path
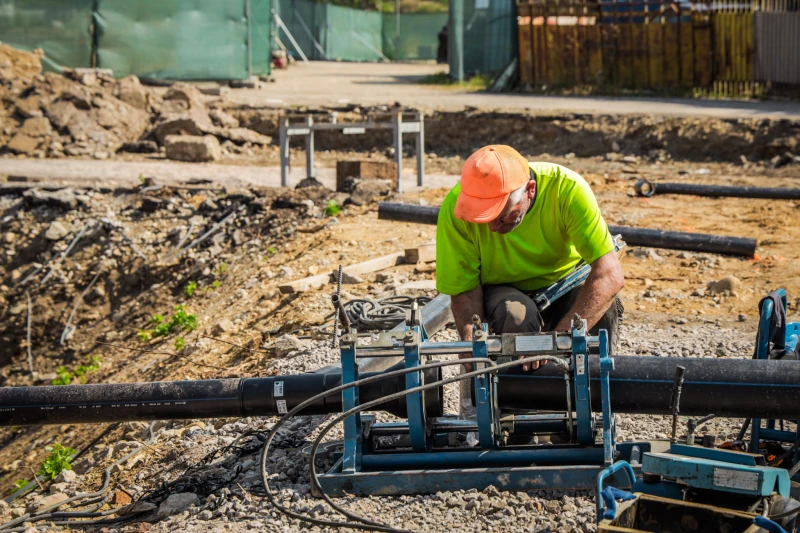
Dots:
{"x": 128, "y": 172}
{"x": 321, "y": 83}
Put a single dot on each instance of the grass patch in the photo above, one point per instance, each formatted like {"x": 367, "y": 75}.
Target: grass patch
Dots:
{"x": 478, "y": 82}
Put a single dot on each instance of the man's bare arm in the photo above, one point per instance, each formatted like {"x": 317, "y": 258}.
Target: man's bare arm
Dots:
{"x": 604, "y": 282}
{"x": 464, "y": 306}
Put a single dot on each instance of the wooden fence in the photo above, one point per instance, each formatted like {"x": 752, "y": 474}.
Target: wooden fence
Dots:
{"x": 640, "y": 45}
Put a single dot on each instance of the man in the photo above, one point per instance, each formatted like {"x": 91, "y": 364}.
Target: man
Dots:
{"x": 511, "y": 227}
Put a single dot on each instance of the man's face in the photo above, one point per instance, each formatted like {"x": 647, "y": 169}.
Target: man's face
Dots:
{"x": 512, "y": 215}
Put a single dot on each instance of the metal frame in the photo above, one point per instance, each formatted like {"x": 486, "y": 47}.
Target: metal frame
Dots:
{"x": 769, "y": 431}
{"x": 423, "y": 463}
{"x": 400, "y": 123}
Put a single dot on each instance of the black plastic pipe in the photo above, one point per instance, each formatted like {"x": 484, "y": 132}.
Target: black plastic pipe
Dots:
{"x": 647, "y": 188}
{"x": 654, "y": 238}
{"x": 735, "y": 388}
{"x": 234, "y": 397}
{"x": 738, "y": 388}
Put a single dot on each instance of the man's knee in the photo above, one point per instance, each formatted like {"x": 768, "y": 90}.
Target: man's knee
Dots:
{"x": 510, "y": 311}
{"x": 610, "y": 322}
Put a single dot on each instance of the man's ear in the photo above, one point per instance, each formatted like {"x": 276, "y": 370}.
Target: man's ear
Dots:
{"x": 530, "y": 188}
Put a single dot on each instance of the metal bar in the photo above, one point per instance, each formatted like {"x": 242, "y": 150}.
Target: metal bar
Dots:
{"x": 494, "y": 344}
{"x": 397, "y": 138}
{"x": 344, "y": 125}
{"x": 284, "y": 144}
{"x": 310, "y": 148}
{"x": 421, "y": 151}
{"x": 647, "y": 188}
{"x": 487, "y": 458}
{"x": 310, "y": 35}
{"x": 248, "y": 16}
{"x": 433, "y": 481}
{"x": 282, "y": 26}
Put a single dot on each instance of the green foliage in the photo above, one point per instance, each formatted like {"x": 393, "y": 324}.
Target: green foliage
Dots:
{"x": 180, "y": 321}
{"x": 221, "y": 269}
{"x": 141, "y": 179}
{"x": 65, "y": 376}
{"x": 332, "y": 209}
{"x": 214, "y": 284}
{"x": 59, "y": 460}
{"x": 272, "y": 250}
{"x": 189, "y": 289}
{"x": 20, "y": 484}
{"x": 90, "y": 368}
{"x": 179, "y": 344}
{"x": 479, "y": 82}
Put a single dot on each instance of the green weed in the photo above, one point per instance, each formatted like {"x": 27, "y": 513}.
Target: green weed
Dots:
{"x": 272, "y": 250}
{"x": 60, "y": 459}
{"x": 65, "y": 376}
{"x": 180, "y": 321}
{"x": 332, "y": 209}
{"x": 179, "y": 344}
{"x": 189, "y": 289}
{"x": 20, "y": 484}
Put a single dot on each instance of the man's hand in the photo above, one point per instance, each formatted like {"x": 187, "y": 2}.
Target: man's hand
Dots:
{"x": 464, "y": 306}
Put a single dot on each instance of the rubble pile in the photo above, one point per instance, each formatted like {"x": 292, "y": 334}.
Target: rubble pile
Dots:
{"x": 87, "y": 113}
{"x": 143, "y": 247}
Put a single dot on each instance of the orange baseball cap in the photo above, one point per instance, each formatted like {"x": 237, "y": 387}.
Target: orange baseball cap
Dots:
{"x": 488, "y": 178}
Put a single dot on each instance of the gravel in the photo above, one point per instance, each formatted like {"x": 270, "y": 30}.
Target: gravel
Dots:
{"x": 226, "y": 494}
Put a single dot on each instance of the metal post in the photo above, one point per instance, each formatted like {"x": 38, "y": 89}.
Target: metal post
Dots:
{"x": 351, "y": 457}
{"x": 248, "y": 16}
{"x": 310, "y": 147}
{"x": 421, "y": 151}
{"x": 397, "y": 123}
{"x": 456, "y": 38}
{"x": 284, "y": 142}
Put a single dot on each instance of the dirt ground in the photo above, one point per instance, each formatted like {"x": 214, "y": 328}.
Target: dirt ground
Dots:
{"x": 109, "y": 293}
{"x": 331, "y": 84}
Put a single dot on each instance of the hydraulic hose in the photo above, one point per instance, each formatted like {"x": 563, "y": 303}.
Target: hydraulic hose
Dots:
{"x": 671, "y": 240}
{"x": 647, "y": 188}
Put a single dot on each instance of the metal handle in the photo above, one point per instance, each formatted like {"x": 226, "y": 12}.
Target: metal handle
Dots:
{"x": 606, "y": 472}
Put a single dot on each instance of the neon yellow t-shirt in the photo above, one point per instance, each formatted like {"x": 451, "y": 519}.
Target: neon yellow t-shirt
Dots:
{"x": 563, "y": 226}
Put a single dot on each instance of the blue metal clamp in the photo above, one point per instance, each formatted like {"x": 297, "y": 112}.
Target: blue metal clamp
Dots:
{"x": 484, "y": 391}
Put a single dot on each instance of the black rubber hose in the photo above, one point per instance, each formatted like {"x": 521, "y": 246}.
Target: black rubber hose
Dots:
{"x": 175, "y": 400}
{"x": 671, "y": 240}
{"x": 647, "y": 188}
{"x": 730, "y": 388}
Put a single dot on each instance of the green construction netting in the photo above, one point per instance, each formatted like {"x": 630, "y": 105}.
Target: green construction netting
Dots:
{"x": 260, "y": 30}
{"x": 173, "y": 39}
{"x": 352, "y": 34}
{"x": 412, "y": 35}
{"x": 490, "y": 36}
{"x": 325, "y": 31}
{"x": 62, "y": 28}
{"x": 306, "y": 21}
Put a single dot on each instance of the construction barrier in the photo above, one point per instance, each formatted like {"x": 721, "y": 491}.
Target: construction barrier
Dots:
{"x": 62, "y": 29}
{"x": 325, "y": 31}
{"x": 157, "y": 39}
